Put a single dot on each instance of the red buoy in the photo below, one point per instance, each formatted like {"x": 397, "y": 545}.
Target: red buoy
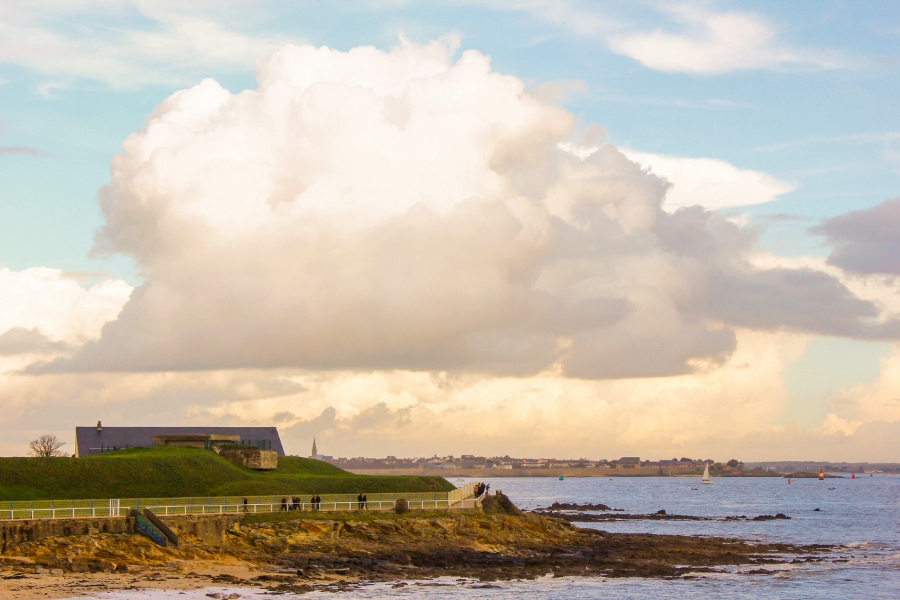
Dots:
{"x": 821, "y": 474}
{"x": 853, "y": 476}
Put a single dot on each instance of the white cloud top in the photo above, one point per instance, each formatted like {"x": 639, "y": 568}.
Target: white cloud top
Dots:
{"x": 710, "y": 182}
{"x": 56, "y": 305}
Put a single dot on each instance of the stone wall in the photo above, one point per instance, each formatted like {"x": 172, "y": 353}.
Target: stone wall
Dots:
{"x": 208, "y": 528}
{"x": 28, "y": 530}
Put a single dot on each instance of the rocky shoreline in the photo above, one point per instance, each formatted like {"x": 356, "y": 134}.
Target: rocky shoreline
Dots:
{"x": 576, "y": 513}
{"x": 298, "y": 553}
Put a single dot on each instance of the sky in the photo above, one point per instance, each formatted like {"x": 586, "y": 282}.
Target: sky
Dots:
{"x": 536, "y": 228}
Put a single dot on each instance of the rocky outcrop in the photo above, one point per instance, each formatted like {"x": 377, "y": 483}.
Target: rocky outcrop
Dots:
{"x": 572, "y": 506}
{"x": 388, "y": 547}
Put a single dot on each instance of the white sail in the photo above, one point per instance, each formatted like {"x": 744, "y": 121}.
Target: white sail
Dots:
{"x": 706, "y": 474}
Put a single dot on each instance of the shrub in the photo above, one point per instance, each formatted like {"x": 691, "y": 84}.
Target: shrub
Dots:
{"x": 401, "y": 506}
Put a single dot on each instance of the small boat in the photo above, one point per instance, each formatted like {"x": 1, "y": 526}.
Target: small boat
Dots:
{"x": 706, "y": 475}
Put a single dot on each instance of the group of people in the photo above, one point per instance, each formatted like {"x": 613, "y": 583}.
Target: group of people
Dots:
{"x": 294, "y": 503}
{"x": 315, "y": 503}
{"x": 481, "y": 489}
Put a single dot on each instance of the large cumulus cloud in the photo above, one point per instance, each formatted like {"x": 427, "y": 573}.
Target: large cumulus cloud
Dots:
{"x": 410, "y": 210}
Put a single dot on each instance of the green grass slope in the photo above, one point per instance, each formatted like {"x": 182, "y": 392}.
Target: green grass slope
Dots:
{"x": 178, "y": 472}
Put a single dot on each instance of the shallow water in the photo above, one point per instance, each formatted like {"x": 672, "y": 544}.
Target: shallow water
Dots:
{"x": 861, "y": 514}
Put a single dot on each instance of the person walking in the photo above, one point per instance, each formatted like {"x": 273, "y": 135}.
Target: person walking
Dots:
{"x": 359, "y": 502}
{"x": 365, "y": 502}
{"x": 245, "y": 505}
{"x": 284, "y": 504}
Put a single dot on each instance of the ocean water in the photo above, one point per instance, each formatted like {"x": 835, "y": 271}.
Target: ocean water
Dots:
{"x": 862, "y": 515}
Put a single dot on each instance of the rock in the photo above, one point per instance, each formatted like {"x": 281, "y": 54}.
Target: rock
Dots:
{"x": 56, "y": 571}
{"x": 79, "y": 567}
{"x": 41, "y": 571}
{"x": 570, "y": 506}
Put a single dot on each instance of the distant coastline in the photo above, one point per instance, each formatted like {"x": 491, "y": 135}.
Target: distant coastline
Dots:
{"x": 450, "y": 474}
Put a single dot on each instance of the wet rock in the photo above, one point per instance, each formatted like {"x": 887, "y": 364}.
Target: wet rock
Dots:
{"x": 572, "y": 506}
{"x": 581, "y": 517}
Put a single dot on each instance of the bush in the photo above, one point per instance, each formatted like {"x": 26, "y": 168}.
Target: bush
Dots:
{"x": 401, "y": 506}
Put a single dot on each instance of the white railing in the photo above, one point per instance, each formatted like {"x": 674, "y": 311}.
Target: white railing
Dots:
{"x": 460, "y": 498}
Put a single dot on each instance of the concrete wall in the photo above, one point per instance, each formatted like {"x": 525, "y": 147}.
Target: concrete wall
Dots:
{"x": 208, "y": 528}
{"x": 28, "y": 530}
{"x": 252, "y": 458}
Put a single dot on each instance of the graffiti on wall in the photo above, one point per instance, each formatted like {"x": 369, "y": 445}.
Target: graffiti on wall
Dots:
{"x": 143, "y": 526}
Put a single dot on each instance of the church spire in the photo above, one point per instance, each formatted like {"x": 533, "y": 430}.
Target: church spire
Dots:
{"x": 315, "y": 453}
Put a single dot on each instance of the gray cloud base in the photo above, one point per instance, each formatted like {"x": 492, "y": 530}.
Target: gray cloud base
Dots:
{"x": 866, "y": 241}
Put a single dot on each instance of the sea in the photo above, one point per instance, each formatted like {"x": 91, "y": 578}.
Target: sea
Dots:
{"x": 860, "y": 515}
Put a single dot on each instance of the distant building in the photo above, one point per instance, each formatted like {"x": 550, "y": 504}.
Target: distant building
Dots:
{"x": 315, "y": 453}
{"x": 100, "y": 439}
{"x": 628, "y": 462}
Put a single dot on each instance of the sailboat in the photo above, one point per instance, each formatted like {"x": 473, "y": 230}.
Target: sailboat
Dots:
{"x": 706, "y": 474}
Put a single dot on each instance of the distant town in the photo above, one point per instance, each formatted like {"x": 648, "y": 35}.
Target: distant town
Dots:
{"x": 469, "y": 461}
{"x": 497, "y": 464}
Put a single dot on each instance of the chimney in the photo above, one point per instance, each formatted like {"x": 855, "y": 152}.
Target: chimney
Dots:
{"x": 99, "y": 427}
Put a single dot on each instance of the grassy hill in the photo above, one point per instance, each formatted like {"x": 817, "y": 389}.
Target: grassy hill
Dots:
{"x": 171, "y": 472}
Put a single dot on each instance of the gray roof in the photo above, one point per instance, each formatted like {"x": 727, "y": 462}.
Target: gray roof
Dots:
{"x": 90, "y": 441}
